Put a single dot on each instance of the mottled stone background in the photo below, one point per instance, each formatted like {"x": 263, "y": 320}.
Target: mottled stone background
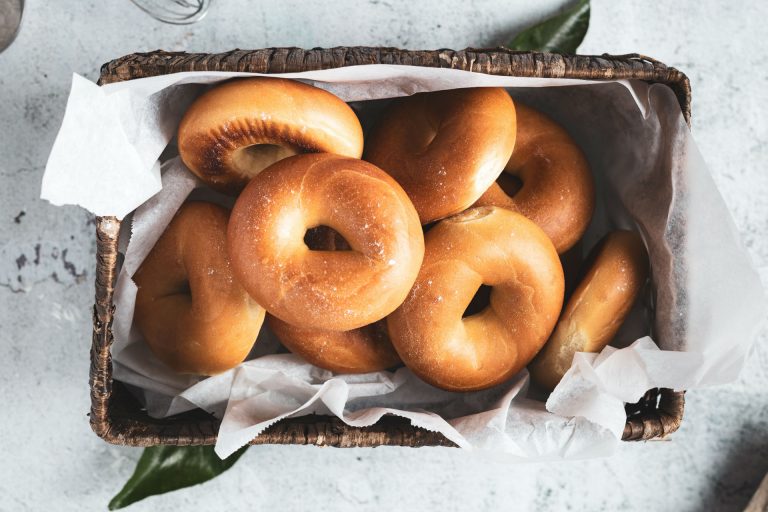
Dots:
{"x": 49, "y": 459}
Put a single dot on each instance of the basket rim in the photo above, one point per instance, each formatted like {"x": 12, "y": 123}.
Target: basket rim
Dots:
{"x": 493, "y": 60}
{"x": 657, "y": 415}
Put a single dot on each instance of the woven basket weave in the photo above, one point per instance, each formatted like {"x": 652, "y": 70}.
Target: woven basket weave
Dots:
{"x": 117, "y": 417}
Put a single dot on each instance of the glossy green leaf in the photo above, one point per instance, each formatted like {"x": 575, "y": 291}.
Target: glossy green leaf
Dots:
{"x": 163, "y": 469}
{"x": 562, "y": 33}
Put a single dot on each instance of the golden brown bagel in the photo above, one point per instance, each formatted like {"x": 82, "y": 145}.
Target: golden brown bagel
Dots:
{"x": 193, "y": 315}
{"x": 362, "y": 350}
{"x": 597, "y": 308}
{"x": 490, "y": 246}
{"x": 445, "y": 148}
{"x": 333, "y": 290}
{"x": 558, "y": 191}
{"x": 238, "y": 128}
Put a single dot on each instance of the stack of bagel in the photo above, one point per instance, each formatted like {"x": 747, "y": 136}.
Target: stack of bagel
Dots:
{"x": 436, "y": 241}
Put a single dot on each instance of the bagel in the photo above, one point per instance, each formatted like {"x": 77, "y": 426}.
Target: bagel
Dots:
{"x": 500, "y": 249}
{"x": 445, "y": 148}
{"x": 598, "y": 306}
{"x": 191, "y": 312}
{"x": 236, "y": 129}
{"x": 332, "y": 290}
{"x": 557, "y": 192}
{"x": 362, "y": 350}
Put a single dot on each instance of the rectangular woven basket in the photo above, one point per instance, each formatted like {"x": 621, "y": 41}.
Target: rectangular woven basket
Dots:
{"x": 117, "y": 417}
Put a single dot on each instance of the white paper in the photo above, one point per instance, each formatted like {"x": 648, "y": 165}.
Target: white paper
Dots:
{"x": 123, "y": 127}
{"x": 650, "y": 176}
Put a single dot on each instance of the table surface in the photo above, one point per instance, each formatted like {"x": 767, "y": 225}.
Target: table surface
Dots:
{"x": 51, "y": 459}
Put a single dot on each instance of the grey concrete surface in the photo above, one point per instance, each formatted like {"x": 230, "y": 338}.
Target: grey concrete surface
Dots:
{"x": 50, "y": 460}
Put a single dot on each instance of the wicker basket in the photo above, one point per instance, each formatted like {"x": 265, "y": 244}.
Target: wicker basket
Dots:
{"x": 117, "y": 417}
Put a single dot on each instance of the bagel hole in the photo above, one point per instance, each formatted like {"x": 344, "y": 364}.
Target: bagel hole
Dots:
{"x": 181, "y": 288}
{"x": 472, "y": 214}
{"x": 251, "y": 160}
{"x": 479, "y": 302}
{"x": 509, "y": 183}
{"x": 325, "y": 238}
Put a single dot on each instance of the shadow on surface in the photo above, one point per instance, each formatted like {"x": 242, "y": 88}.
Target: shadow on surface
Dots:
{"x": 742, "y": 470}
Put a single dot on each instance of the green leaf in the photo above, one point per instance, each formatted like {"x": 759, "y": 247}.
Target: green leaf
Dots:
{"x": 563, "y": 33}
{"x": 163, "y": 469}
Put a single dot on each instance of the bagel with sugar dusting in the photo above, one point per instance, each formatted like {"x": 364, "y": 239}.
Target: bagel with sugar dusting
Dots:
{"x": 237, "y": 129}
{"x": 191, "y": 312}
{"x": 332, "y": 290}
{"x": 481, "y": 246}
{"x": 558, "y": 191}
{"x": 598, "y": 306}
{"x": 445, "y": 148}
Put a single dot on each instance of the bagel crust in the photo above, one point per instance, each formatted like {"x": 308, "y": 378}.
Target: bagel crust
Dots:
{"x": 598, "y": 306}
{"x": 236, "y": 129}
{"x": 491, "y": 246}
{"x": 332, "y": 290}
{"x": 191, "y": 312}
{"x": 445, "y": 148}
{"x": 558, "y": 192}
{"x": 362, "y": 350}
